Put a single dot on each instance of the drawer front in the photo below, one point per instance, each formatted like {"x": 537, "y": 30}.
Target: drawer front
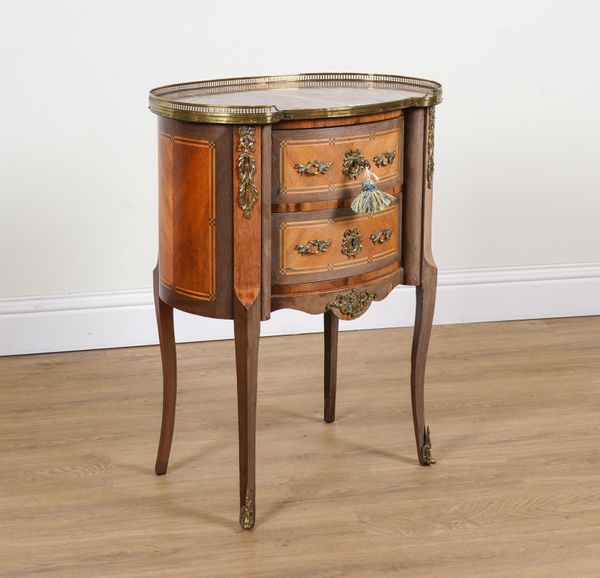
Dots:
{"x": 322, "y": 245}
{"x": 328, "y": 163}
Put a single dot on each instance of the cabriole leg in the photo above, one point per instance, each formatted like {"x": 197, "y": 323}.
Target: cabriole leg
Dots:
{"x": 423, "y": 321}
{"x": 166, "y": 336}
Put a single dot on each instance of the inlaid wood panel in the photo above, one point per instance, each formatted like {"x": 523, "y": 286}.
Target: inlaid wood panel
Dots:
{"x": 195, "y": 219}
{"x": 165, "y": 208}
{"x": 187, "y": 203}
{"x": 323, "y": 245}
{"x": 295, "y": 148}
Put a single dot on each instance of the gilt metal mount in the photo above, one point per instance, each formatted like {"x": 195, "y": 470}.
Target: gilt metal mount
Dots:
{"x": 430, "y": 145}
{"x": 352, "y": 243}
{"x": 247, "y": 511}
{"x": 352, "y": 304}
{"x": 313, "y": 247}
{"x": 385, "y": 159}
{"x": 354, "y": 163}
{"x": 426, "y": 458}
{"x": 313, "y": 167}
{"x": 246, "y": 166}
{"x": 381, "y": 236}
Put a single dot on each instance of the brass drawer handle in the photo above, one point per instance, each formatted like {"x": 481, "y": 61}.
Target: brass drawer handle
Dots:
{"x": 313, "y": 247}
{"x": 354, "y": 163}
{"x": 352, "y": 243}
{"x": 385, "y": 159}
{"x": 381, "y": 236}
{"x": 313, "y": 168}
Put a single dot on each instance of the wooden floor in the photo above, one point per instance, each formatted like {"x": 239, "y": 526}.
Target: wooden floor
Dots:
{"x": 514, "y": 410}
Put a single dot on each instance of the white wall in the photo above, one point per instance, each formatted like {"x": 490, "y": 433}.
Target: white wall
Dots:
{"x": 518, "y": 134}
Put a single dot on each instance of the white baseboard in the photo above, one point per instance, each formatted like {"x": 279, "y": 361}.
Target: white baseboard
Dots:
{"x": 126, "y": 318}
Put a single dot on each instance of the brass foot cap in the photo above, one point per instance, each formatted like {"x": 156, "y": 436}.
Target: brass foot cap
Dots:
{"x": 247, "y": 511}
{"x": 426, "y": 459}
{"x": 246, "y": 518}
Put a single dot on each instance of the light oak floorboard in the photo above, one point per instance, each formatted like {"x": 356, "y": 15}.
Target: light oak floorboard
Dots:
{"x": 514, "y": 412}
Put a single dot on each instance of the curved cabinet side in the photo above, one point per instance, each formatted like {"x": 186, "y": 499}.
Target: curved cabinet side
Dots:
{"x": 195, "y": 229}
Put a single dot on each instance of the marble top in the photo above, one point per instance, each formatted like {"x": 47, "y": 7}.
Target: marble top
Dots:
{"x": 269, "y": 99}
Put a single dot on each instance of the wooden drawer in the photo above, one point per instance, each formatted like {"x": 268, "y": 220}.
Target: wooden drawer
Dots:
{"x": 325, "y": 163}
{"x": 321, "y": 245}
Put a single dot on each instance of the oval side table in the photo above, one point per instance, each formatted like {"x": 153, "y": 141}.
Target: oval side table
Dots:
{"x": 257, "y": 178}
